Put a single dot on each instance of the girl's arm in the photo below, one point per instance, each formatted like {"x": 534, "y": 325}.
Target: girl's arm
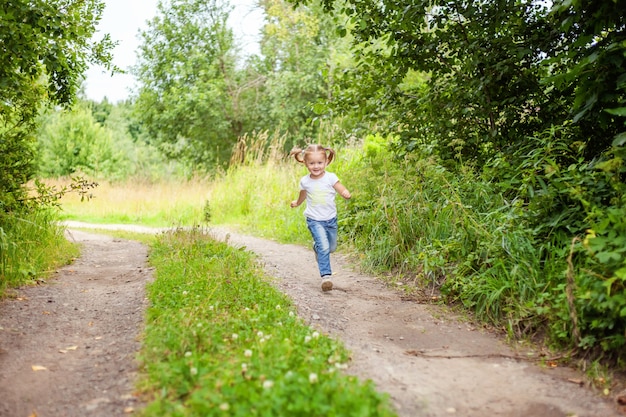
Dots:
{"x": 342, "y": 191}
{"x": 301, "y": 198}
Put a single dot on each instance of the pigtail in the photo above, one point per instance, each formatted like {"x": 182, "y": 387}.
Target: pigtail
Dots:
{"x": 330, "y": 155}
{"x": 298, "y": 154}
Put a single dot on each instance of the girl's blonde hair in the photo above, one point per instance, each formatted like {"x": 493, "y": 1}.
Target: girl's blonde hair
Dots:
{"x": 300, "y": 154}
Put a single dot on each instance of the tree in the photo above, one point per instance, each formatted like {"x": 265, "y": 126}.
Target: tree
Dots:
{"x": 494, "y": 72}
{"x": 186, "y": 73}
{"x": 45, "y": 46}
{"x": 297, "y": 46}
{"x": 72, "y": 142}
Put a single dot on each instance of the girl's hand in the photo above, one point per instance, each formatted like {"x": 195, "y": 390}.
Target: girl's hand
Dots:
{"x": 294, "y": 204}
{"x": 345, "y": 194}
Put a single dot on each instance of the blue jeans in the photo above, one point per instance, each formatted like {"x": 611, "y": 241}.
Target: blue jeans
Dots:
{"x": 325, "y": 237}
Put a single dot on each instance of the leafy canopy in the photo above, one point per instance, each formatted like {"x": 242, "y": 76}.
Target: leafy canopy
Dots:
{"x": 45, "y": 46}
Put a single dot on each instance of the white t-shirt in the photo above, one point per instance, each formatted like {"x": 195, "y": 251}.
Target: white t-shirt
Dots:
{"x": 320, "y": 196}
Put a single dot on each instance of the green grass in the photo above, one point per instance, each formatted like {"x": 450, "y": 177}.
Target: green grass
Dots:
{"x": 256, "y": 199}
{"x": 221, "y": 340}
{"x": 31, "y": 247}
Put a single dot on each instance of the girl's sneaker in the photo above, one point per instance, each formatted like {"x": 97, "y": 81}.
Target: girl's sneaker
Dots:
{"x": 327, "y": 284}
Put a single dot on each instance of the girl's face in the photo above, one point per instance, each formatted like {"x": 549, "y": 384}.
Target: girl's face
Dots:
{"x": 316, "y": 164}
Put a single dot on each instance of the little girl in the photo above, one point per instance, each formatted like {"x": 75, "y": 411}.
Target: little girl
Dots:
{"x": 318, "y": 189}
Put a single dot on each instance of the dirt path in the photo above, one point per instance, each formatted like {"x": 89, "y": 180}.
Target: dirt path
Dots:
{"x": 429, "y": 362}
{"x": 67, "y": 348}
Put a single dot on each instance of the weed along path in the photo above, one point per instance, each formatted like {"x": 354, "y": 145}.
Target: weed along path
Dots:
{"x": 82, "y": 328}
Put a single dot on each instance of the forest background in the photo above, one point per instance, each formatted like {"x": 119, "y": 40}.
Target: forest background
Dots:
{"x": 483, "y": 142}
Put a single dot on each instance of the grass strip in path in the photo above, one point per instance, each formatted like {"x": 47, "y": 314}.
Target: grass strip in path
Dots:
{"x": 221, "y": 340}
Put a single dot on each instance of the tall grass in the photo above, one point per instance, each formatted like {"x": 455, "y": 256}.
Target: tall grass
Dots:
{"x": 166, "y": 203}
{"x": 221, "y": 340}
{"x": 31, "y": 247}
{"x": 254, "y": 194}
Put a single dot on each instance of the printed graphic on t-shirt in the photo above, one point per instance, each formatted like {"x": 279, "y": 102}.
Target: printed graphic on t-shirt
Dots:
{"x": 318, "y": 196}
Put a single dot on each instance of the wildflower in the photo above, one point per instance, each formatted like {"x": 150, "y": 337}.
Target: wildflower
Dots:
{"x": 278, "y": 307}
{"x": 193, "y": 371}
{"x": 315, "y": 335}
{"x": 260, "y": 334}
{"x": 184, "y": 292}
{"x": 313, "y": 378}
{"x": 187, "y": 354}
{"x": 307, "y": 339}
{"x": 268, "y": 384}
{"x": 291, "y": 314}
{"x": 247, "y": 353}
{"x": 235, "y": 336}
{"x": 224, "y": 406}
{"x": 244, "y": 366}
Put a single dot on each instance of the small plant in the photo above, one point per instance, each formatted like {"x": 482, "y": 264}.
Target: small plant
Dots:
{"x": 206, "y": 212}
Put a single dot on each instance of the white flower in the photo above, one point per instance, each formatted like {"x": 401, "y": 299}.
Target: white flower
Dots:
{"x": 291, "y": 314}
{"x": 313, "y": 378}
{"x": 235, "y": 336}
{"x": 187, "y": 354}
{"x": 307, "y": 339}
{"x": 260, "y": 334}
{"x": 194, "y": 371}
{"x": 278, "y": 307}
{"x": 247, "y": 353}
{"x": 268, "y": 384}
{"x": 315, "y": 335}
{"x": 244, "y": 366}
{"x": 184, "y": 292}
{"x": 224, "y": 406}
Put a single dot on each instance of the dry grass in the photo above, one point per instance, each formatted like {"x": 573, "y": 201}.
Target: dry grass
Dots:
{"x": 166, "y": 203}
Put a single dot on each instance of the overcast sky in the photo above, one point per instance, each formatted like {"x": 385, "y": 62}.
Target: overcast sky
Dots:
{"x": 124, "y": 18}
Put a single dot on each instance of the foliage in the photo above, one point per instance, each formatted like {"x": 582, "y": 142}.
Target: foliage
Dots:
{"x": 99, "y": 140}
{"x": 72, "y": 142}
{"x": 220, "y": 338}
{"x": 602, "y": 298}
{"x": 299, "y": 48}
{"x": 46, "y": 46}
{"x": 16, "y": 161}
{"x": 187, "y": 99}
{"x": 587, "y": 54}
{"x": 474, "y": 79}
